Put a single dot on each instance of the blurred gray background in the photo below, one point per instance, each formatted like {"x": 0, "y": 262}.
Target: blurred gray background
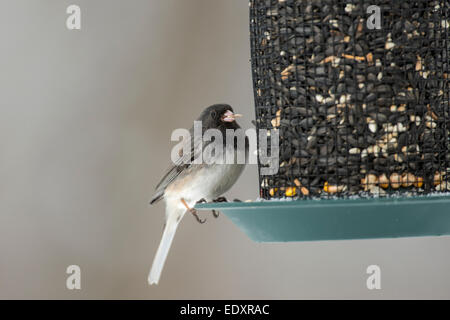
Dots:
{"x": 85, "y": 125}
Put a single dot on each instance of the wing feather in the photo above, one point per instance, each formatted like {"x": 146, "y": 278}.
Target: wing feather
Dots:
{"x": 183, "y": 163}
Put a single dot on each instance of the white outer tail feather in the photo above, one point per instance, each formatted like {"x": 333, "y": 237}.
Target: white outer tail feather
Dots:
{"x": 173, "y": 220}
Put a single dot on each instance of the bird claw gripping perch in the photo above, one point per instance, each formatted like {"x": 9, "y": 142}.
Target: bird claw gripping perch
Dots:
{"x": 214, "y": 212}
{"x": 220, "y": 199}
{"x": 193, "y": 211}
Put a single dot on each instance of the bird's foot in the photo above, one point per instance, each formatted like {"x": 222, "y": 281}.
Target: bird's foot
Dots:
{"x": 193, "y": 211}
{"x": 220, "y": 199}
{"x": 195, "y": 214}
{"x": 214, "y": 212}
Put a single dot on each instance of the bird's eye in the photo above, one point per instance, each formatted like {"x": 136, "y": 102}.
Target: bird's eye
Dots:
{"x": 213, "y": 114}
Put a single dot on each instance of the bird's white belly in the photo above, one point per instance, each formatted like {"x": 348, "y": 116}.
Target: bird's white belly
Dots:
{"x": 204, "y": 181}
{"x": 208, "y": 183}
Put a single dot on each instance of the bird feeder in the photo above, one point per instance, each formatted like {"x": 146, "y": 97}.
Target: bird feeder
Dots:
{"x": 358, "y": 92}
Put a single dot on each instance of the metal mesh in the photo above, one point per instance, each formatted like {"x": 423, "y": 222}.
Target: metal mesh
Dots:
{"x": 359, "y": 111}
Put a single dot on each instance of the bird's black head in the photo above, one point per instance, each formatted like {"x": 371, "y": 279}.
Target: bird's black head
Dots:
{"x": 219, "y": 116}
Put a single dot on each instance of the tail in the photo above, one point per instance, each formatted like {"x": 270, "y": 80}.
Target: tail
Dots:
{"x": 163, "y": 249}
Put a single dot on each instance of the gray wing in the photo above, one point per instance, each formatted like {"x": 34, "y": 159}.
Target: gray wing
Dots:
{"x": 183, "y": 163}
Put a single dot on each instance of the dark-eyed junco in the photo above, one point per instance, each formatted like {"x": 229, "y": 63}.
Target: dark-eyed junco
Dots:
{"x": 185, "y": 184}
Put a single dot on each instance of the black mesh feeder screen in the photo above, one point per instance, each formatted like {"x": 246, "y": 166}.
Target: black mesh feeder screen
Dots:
{"x": 358, "y": 93}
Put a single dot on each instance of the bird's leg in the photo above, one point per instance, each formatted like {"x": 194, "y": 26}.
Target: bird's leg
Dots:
{"x": 202, "y": 200}
{"x": 193, "y": 211}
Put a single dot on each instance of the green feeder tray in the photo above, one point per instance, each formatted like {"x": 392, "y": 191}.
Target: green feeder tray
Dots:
{"x": 341, "y": 219}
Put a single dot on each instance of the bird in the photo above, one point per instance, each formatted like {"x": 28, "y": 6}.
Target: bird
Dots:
{"x": 187, "y": 182}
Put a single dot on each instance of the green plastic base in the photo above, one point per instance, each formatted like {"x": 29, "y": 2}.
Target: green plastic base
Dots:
{"x": 313, "y": 220}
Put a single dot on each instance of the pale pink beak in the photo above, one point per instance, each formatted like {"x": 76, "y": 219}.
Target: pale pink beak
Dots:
{"x": 229, "y": 116}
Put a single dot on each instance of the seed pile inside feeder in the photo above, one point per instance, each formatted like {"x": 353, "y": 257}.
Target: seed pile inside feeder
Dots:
{"x": 359, "y": 110}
